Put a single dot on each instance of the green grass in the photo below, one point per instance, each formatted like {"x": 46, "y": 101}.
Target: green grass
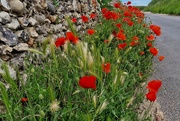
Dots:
{"x": 163, "y": 6}
{"x": 52, "y": 86}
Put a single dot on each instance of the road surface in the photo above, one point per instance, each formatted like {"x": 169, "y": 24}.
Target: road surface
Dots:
{"x": 169, "y": 69}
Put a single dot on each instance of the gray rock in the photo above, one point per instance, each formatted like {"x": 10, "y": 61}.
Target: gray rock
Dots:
{"x": 5, "y": 49}
{"x": 85, "y": 7}
{"x": 14, "y": 24}
{"x": 32, "y": 32}
{"x": 16, "y": 6}
{"x": 40, "y": 18}
{"x": 41, "y": 30}
{"x": 21, "y": 47}
{"x": 79, "y": 9}
{"x": 23, "y": 21}
{"x": 8, "y": 37}
{"x": 32, "y": 21}
{"x": 4, "y": 5}
{"x": 23, "y": 36}
{"x": 51, "y": 8}
{"x": 56, "y": 28}
{"x": 4, "y": 17}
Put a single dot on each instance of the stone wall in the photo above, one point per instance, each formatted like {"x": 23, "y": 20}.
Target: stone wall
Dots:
{"x": 23, "y": 23}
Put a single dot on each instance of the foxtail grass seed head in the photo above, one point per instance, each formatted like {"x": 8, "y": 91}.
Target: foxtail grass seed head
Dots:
{"x": 127, "y": 50}
{"x": 76, "y": 92}
{"x": 110, "y": 38}
{"x": 84, "y": 47}
{"x": 122, "y": 78}
{"x": 104, "y": 105}
{"x": 90, "y": 59}
{"x": 54, "y": 106}
{"x": 125, "y": 73}
{"x": 95, "y": 100}
{"x": 102, "y": 59}
{"x": 130, "y": 101}
{"x": 92, "y": 48}
{"x": 141, "y": 31}
{"x": 80, "y": 63}
{"x": 115, "y": 80}
{"x": 65, "y": 46}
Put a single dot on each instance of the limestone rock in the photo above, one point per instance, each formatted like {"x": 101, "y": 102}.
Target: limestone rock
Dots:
{"x": 5, "y": 49}
{"x": 14, "y": 24}
{"x": 32, "y": 21}
{"x": 21, "y": 47}
{"x": 23, "y": 21}
{"x": 16, "y": 6}
{"x": 8, "y": 37}
{"x": 4, "y": 4}
{"x": 32, "y": 32}
{"x": 4, "y": 17}
{"x": 51, "y": 8}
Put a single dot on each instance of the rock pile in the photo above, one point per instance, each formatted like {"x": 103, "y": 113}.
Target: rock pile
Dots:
{"x": 23, "y": 23}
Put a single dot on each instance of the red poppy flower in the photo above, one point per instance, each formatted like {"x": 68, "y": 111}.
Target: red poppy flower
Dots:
{"x": 104, "y": 10}
{"x": 155, "y": 29}
{"x": 134, "y": 43}
{"x": 140, "y": 74}
{"x": 154, "y": 85}
{"x": 70, "y": 36}
{"x": 106, "y": 41}
{"x": 115, "y": 16}
{"x": 121, "y": 36}
{"x": 129, "y": 2}
{"x": 127, "y": 14}
{"x": 88, "y": 82}
{"x": 151, "y": 96}
{"x": 130, "y": 23}
{"x": 135, "y": 38}
{"x": 92, "y": 15}
{"x": 122, "y": 45}
{"x": 118, "y": 25}
{"x": 106, "y": 67}
{"x": 90, "y": 31}
{"x": 24, "y": 100}
{"x": 149, "y": 44}
{"x": 60, "y": 41}
{"x": 117, "y": 5}
{"x": 114, "y": 32}
{"x": 150, "y": 37}
{"x": 161, "y": 58}
{"x": 141, "y": 53}
{"x": 74, "y": 20}
{"x": 154, "y": 51}
{"x": 84, "y": 18}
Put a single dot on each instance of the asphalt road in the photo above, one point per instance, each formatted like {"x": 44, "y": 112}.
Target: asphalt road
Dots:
{"x": 169, "y": 69}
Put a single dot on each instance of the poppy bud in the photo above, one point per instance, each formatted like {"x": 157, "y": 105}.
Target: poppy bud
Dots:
{"x": 32, "y": 70}
{"x": 40, "y": 96}
{"x": 41, "y": 112}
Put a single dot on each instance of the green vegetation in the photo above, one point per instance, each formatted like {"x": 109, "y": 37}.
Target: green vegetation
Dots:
{"x": 164, "y": 6}
{"x": 100, "y": 75}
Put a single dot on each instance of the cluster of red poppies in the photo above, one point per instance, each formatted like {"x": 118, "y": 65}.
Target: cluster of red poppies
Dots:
{"x": 127, "y": 15}
{"x": 153, "y": 87}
